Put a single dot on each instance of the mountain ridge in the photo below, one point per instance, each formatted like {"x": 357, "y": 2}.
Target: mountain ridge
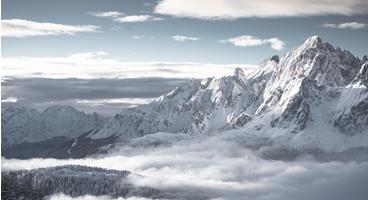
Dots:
{"x": 21, "y": 124}
{"x": 314, "y": 96}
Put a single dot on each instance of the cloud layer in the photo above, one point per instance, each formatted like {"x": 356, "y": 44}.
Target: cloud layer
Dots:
{"x": 250, "y": 41}
{"x": 233, "y": 9}
{"x": 24, "y": 28}
{"x": 347, "y": 25}
{"x": 106, "y": 96}
{"x": 94, "y": 82}
{"x": 98, "y": 65}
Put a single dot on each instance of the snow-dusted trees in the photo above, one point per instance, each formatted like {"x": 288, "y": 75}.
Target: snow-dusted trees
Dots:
{"x": 72, "y": 180}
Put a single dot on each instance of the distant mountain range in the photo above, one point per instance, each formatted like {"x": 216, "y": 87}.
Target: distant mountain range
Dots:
{"x": 315, "y": 96}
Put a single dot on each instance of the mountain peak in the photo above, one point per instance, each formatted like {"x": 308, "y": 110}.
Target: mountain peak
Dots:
{"x": 313, "y": 41}
{"x": 60, "y": 108}
{"x": 365, "y": 59}
{"x": 275, "y": 58}
{"x": 238, "y": 72}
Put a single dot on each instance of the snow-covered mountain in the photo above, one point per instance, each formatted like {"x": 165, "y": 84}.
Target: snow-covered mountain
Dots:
{"x": 21, "y": 124}
{"x": 315, "y": 96}
{"x": 315, "y": 87}
{"x": 196, "y": 107}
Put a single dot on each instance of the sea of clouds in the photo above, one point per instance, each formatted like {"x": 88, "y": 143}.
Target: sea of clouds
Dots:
{"x": 221, "y": 167}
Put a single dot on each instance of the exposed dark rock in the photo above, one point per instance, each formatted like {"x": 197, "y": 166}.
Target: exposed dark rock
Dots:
{"x": 81, "y": 147}
{"x": 241, "y": 120}
{"x": 297, "y": 111}
{"x": 275, "y": 58}
{"x": 355, "y": 121}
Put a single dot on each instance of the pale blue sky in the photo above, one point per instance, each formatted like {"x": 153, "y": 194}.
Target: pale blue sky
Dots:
{"x": 116, "y": 38}
{"x": 79, "y": 57}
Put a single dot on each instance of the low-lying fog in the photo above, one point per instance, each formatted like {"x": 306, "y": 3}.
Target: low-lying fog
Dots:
{"x": 220, "y": 168}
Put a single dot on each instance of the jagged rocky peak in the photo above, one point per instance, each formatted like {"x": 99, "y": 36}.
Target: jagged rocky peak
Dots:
{"x": 365, "y": 59}
{"x": 239, "y": 76}
{"x": 275, "y": 58}
{"x": 313, "y": 41}
{"x": 238, "y": 72}
{"x": 296, "y": 84}
{"x": 265, "y": 68}
{"x": 16, "y": 111}
{"x": 319, "y": 61}
{"x": 60, "y": 108}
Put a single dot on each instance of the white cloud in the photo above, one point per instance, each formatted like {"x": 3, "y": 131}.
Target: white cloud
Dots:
{"x": 99, "y": 65}
{"x": 24, "y": 28}
{"x": 233, "y": 9}
{"x": 182, "y": 38}
{"x": 250, "y": 41}
{"x": 276, "y": 43}
{"x": 244, "y": 41}
{"x": 348, "y": 25}
{"x": 123, "y": 18}
{"x": 9, "y": 100}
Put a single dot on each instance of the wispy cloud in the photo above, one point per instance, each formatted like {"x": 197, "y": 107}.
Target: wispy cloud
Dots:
{"x": 131, "y": 101}
{"x": 107, "y": 14}
{"x": 220, "y": 9}
{"x": 89, "y": 55}
{"x": 182, "y": 38}
{"x": 137, "y": 37}
{"x": 137, "y": 18}
{"x": 100, "y": 65}
{"x": 251, "y": 41}
{"x": 347, "y": 25}
{"x": 123, "y": 18}
{"x": 62, "y": 196}
{"x": 9, "y": 100}
{"x": 24, "y": 28}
